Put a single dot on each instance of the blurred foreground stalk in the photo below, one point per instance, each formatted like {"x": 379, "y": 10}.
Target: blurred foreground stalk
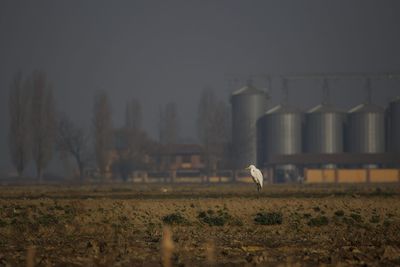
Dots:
{"x": 167, "y": 247}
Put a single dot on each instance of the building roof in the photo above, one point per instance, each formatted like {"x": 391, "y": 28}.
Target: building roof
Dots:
{"x": 248, "y": 89}
{"x": 366, "y": 108}
{"x": 324, "y": 108}
{"x": 283, "y": 108}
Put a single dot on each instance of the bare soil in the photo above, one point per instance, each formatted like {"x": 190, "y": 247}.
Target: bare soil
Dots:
{"x": 220, "y": 225}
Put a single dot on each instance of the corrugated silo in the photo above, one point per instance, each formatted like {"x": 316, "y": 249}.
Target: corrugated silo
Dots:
{"x": 366, "y": 129}
{"x": 283, "y": 133}
{"x": 394, "y": 125}
{"x": 248, "y": 105}
{"x": 324, "y": 130}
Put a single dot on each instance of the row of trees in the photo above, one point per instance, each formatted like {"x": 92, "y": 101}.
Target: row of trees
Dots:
{"x": 32, "y": 122}
{"x": 213, "y": 128}
{"x": 129, "y": 142}
{"x": 37, "y": 130}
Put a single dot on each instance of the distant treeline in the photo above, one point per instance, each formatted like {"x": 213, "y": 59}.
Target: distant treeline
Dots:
{"x": 38, "y": 131}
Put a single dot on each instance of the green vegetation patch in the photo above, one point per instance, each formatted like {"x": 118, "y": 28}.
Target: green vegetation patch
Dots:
{"x": 317, "y": 209}
{"x": 318, "y": 221}
{"x": 219, "y": 218}
{"x": 356, "y": 217}
{"x": 387, "y": 223}
{"x": 174, "y": 218}
{"x": 339, "y": 213}
{"x": 375, "y": 218}
{"x": 47, "y": 220}
{"x": 268, "y": 218}
{"x": 3, "y": 223}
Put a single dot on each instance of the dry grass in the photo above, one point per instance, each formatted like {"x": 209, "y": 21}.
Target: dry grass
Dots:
{"x": 121, "y": 226}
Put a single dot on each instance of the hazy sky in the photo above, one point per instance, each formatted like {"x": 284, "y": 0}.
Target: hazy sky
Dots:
{"x": 160, "y": 51}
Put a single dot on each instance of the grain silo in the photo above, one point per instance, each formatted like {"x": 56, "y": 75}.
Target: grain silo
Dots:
{"x": 324, "y": 127}
{"x": 366, "y": 130}
{"x": 324, "y": 130}
{"x": 248, "y": 105}
{"x": 283, "y": 133}
{"x": 394, "y": 125}
{"x": 366, "y": 126}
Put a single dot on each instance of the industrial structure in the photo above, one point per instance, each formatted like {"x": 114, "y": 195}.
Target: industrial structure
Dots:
{"x": 393, "y": 125}
{"x": 282, "y": 133}
{"x": 366, "y": 126}
{"x": 366, "y": 129}
{"x": 248, "y": 104}
{"x": 283, "y": 136}
{"x": 324, "y": 144}
{"x": 324, "y": 128}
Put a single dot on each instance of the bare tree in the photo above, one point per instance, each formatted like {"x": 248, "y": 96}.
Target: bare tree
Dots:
{"x": 133, "y": 146}
{"x": 102, "y": 128}
{"x": 169, "y": 124}
{"x": 74, "y": 141}
{"x": 133, "y": 114}
{"x": 213, "y": 127}
{"x": 19, "y": 142}
{"x": 42, "y": 122}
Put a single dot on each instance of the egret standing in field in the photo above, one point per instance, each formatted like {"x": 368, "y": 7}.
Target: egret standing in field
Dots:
{"x": 257, "y": 176}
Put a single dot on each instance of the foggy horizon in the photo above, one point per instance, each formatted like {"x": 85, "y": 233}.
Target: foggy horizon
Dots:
{"x": 159, "y": 52}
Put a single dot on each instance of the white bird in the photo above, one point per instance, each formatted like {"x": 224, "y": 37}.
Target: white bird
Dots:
{"x": 257, "y": 176}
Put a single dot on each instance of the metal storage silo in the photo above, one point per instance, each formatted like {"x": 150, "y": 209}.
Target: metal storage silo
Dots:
{"x": 324, "y": 126}
{"x": 248, "y": 104}
{"x": 366, "y": 129}
{"x": 283, "y": 133}
{"x": 394, "y": 125}
{"x": 324, "y": 130}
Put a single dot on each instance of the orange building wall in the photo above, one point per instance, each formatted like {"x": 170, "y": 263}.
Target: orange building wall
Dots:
{"x": 384, "y": 176}
{"x": 352, "y": 175}
{"x": 320, "y": 176}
